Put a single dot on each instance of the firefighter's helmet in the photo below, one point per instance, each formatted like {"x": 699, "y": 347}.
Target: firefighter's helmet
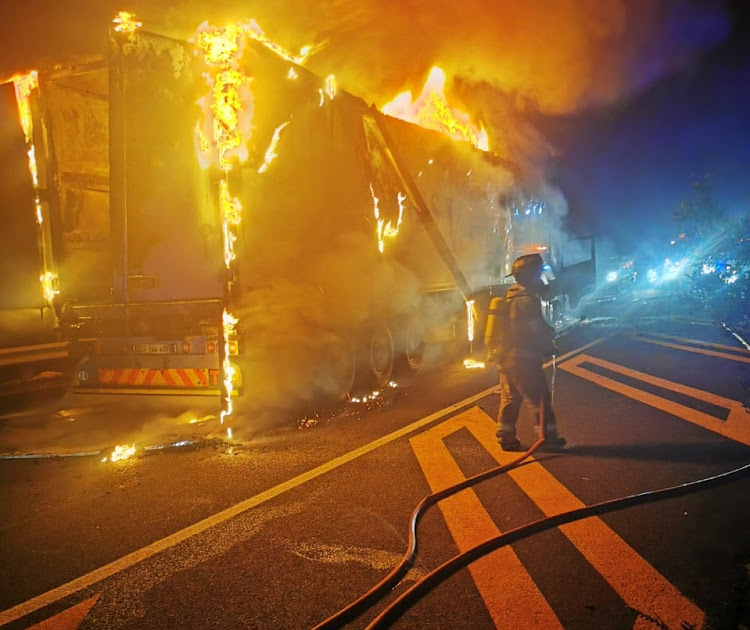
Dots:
{"x": 527, "y": 266}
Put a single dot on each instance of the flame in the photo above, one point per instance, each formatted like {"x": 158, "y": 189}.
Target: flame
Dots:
{"x": 120, "y": 453}
{"x": 471, "y": 315}
{"x": 230, "y": 130}
{"x": 24, "y": 85}
{"x": 372, "y": 395}
{"x": 228, "y": 113}
{"x": 472, "y": 364}
{"x": 231, "y": 208}
{"x": 330, "y": 86}
{"x": 223, "y": 136}
{"x": 256, "y": 32}
{"x": 229, "y": 324}
{"x": 228, "y": 108}
{"x": 271, "y": 151}
{"x": 386, "y": 229}
{"x": 222, "y": 47}
{"x": 125, "y": 22}
{"x": 50, "y": 286}
{"x": 431, "y": 110}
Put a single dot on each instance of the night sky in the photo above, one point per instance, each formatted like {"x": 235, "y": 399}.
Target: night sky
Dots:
{"x": 625, "y": 167}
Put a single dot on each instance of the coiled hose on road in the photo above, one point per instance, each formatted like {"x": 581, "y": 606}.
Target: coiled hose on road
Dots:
{"x": 436, "y": 577}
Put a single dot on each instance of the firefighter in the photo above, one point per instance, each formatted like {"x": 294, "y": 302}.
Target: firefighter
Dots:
{"x": 518, "y": 339}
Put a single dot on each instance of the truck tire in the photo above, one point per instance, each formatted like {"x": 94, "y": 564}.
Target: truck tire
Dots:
{"x": 375, "y": 358}
{"x": 340, "y": 365}
{"x": 410, "y": 346}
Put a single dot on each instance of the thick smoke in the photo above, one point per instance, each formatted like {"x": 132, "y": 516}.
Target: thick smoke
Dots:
{"x": 551, "y": 57}
{"x": 507, "y": 62}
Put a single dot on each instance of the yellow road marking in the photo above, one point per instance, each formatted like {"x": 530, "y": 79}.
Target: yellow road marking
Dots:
{"x": 125, "y": 562}
{"x": 564, "y": 357}
{"x": 695, "y": 342}
{"x": 736, "y": 427}
{"x": 114, "y": 567}
{"x": 509, "y": 593}
{"x": 639, "y": 585}
{"x": 710, "y": 353}
{"x": 69, "y": 619}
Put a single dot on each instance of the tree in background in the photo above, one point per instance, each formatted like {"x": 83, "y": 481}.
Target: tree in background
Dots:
{"x": 717, "y": 250}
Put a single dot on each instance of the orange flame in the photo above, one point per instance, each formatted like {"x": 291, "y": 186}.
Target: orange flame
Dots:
{"x": 222, "y": 137}
{"x": 120, "y": 453}
{"x": 256, "y": 32}
{"x": 125, "y": 22}
{"x": 228, "y": 108}
{"x": 473, "y": 364}
{"x": 50, "y": 286}
{"x": 228, "y": 112}
{"x": 231, "y": 208}
{"x": 470, "y": 317}
{"x": 386, "y": 229}
{"x": 271, "y": 154}
{"x": 24, "y": 85}
{"x": 229, "y": 323}
{"x": 431, "y": 110}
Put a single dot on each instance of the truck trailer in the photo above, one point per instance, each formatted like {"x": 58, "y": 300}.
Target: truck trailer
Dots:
{"x": 211, "y": 218}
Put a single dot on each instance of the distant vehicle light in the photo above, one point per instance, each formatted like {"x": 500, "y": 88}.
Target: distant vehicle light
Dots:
{"x": 612, "y": 276}
{"x": 672, "y": 269}
{"x": 652, "y": 275}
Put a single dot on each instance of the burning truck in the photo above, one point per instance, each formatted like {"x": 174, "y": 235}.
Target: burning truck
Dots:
{"x": 209, "y": 217}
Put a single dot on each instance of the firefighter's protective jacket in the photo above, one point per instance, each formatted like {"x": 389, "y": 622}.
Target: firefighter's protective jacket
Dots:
{"x": 529, "y": 336}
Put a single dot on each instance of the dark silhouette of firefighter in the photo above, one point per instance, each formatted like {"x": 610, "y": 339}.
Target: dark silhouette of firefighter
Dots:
{"x": 518, "y": 339}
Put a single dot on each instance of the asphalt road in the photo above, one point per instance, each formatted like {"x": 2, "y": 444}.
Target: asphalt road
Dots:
{"x": 284, "y": 527}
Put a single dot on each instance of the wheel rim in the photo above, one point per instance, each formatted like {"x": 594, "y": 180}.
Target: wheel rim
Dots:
{"x": 341, "y": 367}
{"x": 414, "y": 346}
{"x": 381, "y": 354}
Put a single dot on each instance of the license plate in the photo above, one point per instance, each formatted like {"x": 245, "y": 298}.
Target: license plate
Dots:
{"x": 153, "y": 348}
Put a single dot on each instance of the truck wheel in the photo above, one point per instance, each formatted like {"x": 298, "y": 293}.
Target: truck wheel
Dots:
{"x": 340, "y": 365}
{"x": 411, "y": 346}
{"x": 376, "y": 359}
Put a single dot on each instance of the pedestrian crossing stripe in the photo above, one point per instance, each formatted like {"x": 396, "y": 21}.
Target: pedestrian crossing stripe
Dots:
{"x": 735, "y": 427}
{"x": 508, "y": 591}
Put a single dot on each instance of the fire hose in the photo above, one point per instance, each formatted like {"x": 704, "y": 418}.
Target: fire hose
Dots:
{"x": 361, "y": 604}
{"x": 436, "y": 577}
{"x": 417, "y": 591}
